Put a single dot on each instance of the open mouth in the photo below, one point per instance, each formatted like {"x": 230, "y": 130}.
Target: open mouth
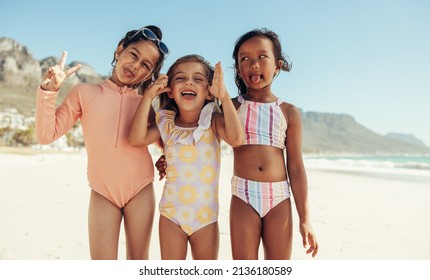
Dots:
{"x": 255, "y": 78}
{"x": 188, "y": 95}
{"x": 127, "y": 73}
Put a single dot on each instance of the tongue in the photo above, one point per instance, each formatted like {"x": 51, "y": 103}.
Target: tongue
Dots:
{"x": 188, "y": 96}
{"x": 128, "y": 73}
{"x": 255, "y": 79}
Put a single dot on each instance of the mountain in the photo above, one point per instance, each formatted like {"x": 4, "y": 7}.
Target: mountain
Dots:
{"x": 340, "y": 133}
{"x": 20, "y": 74}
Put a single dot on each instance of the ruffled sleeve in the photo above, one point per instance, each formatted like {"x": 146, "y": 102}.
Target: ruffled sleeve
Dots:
{"x": 172, "y": 134}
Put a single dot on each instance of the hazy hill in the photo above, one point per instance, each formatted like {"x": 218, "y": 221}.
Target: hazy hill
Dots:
{"x": 340, "y": 133}
{"x": 20, "y": 74}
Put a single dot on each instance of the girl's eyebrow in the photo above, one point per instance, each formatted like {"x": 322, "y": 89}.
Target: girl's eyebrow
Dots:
{"x": 144, "y": 59}
{"x": 254, "y": 51}
{"x": 194, "y": 73}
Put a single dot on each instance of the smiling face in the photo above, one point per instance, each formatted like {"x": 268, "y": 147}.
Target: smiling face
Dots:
{"x": 135, "y": 63}
{"x": 256, "y": 63}
{"x": 189, "y": 85}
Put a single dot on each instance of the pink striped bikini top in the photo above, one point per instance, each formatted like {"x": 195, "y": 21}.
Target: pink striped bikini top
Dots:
{"x": 264, "y": 123}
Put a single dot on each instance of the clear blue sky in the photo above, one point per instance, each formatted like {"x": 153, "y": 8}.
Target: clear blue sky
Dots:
{"x": 369, "y": 59}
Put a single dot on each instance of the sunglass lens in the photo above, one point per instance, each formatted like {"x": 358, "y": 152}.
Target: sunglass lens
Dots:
{"x": 149, "y": 34}
{"x": 163, "y": 48}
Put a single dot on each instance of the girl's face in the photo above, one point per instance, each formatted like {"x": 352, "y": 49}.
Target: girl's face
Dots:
{"x": 256, "y": 63}
{"x": 135, "y": 63}
{"x": 189, "y": 86}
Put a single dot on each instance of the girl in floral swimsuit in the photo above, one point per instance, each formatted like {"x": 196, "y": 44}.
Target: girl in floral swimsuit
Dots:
{"x": 191, "y": 128}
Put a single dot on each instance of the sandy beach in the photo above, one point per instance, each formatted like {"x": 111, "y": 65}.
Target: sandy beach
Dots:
{"x": 356, "y": 214}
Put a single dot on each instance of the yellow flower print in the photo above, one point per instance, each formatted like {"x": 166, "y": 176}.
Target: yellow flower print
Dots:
{"x": 171, "y": 174}
{"x": 207, "y": 154}
{"x": 188, "y": 154}
{"x": 187, "y": 229}
{"x": 186, "y": 214}
{"x": 206, "y": 195}
{"x": 207, "y": 174}
{"x": 168, "y": 209}
{"x": 204, "y": 215}
{"x": 171, "y": 154}
{"x": 207, "y": 136}
{"x": 170, "y": 192}
{"x": 188, "y": 174}
{"x": 187, "y": 194}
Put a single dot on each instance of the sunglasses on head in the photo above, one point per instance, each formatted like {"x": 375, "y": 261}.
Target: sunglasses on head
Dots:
{"x": 148, "y": 34}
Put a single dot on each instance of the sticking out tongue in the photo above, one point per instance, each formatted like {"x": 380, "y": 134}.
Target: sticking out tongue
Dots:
{"x": 255, "y": 79}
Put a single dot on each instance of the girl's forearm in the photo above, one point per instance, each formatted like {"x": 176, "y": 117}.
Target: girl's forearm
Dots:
{"x": 233, "y": 126}
{"x": 139, "y": 125}
{"x": 299, "y": 187}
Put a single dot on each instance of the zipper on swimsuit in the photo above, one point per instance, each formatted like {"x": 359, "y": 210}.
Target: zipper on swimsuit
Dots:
{"x": 121, "y": 89}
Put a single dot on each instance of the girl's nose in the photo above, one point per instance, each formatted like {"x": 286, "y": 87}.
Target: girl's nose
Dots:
{"x": 189, "y": 81}
{"x": 254, "y": 64}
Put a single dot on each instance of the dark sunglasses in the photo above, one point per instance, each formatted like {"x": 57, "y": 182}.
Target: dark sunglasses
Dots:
{"x": 151, "y": 36}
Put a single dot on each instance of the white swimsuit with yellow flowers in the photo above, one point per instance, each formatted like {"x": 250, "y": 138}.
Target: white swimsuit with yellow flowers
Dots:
{"x": 190, "y": 195}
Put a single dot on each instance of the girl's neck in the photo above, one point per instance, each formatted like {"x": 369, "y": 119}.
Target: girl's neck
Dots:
{"x": 187, "y": 119}
{"x": 261, "y": 96}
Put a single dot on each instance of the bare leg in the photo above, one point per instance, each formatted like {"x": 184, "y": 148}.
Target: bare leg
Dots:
{"x": 138, "y": 220}
{"x": 173, "y": 240}
{"x": 205, "y": 243}
{"x": 277, "y": 232}
{"x": 245, "y": 230}
{"x": 104, "y": 222}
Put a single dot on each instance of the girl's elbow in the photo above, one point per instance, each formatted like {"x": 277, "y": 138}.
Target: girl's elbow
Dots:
{"x": 237, "y": 141}
{"x": 134, "y": 141}
{"x": 43, "y": 139}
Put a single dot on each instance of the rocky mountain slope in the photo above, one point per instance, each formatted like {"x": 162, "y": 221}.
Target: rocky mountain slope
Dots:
{"x": 20, "y": 74}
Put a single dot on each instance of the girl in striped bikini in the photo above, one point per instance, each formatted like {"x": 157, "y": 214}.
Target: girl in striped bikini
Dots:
{"x": 260, "y": 205}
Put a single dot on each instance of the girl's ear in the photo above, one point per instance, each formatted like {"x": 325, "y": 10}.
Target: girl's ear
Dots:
{"x": 209, "y": 97}
{"x": 280, "y": 63}
{"x": 118, "y": 51}
{"x": 278, "y": 67}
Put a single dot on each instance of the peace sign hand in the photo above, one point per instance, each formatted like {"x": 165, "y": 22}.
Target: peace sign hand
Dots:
{"x": 55, "y": 75}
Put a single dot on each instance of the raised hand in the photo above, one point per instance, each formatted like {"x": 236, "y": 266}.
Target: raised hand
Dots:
{"x": 157, "y": 87}
{"x": 55, "y": 75}
{"x": 218, "y": 88}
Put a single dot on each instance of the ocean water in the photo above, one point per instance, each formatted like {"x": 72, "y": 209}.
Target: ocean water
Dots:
{"x": 405, "y": 167}
{"x": 374, "y": 161}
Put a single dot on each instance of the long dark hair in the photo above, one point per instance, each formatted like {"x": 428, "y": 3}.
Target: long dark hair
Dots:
{"x": 126, "y": 41}
{"x": 277, "y": 51}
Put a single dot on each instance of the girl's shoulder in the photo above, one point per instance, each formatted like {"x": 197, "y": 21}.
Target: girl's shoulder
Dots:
{"x": 236, "y": 102}
{"x": 290, "y": 111}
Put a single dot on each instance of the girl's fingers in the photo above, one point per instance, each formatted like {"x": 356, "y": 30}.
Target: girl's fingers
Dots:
{"x": 63, "y": 60}
{"x": 72, "y": 70}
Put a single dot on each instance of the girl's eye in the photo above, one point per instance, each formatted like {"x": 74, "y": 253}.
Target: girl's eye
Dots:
{"x": 263, "y": 56}
{"x": 244, "y": 58}
{"x": 133, "y": 55}
{"x": 146, "y": 66}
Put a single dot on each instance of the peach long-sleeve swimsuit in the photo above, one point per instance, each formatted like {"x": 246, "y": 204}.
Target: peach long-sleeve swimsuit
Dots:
{"x": 116, "y": 170}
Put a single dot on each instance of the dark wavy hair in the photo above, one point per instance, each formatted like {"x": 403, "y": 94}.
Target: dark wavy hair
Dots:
{"x": 277, "y": 51}
{"x": 126, "y": 41}
{"x": 168, "y": 103}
